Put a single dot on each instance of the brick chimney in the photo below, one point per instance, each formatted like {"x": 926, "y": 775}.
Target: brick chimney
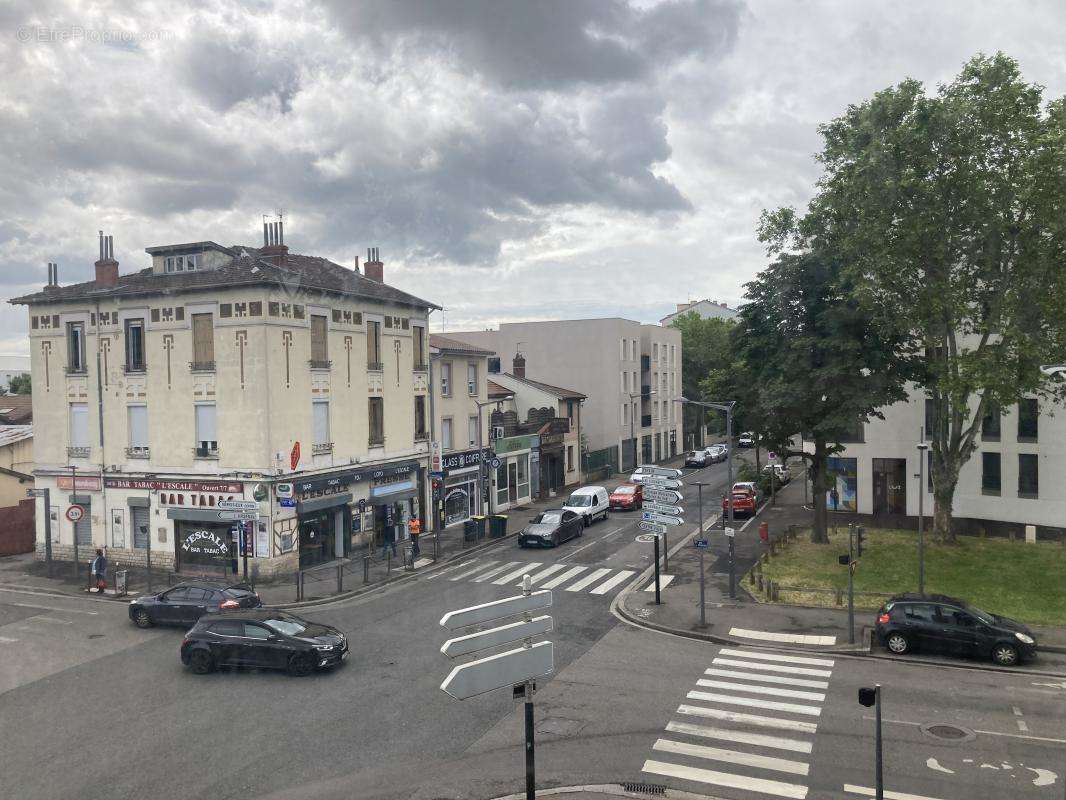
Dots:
{"x": 106, "y": 266}
{"x": 372, "y": 267}
{"x": 274, "y": 247}
{"x": 518, "y": 368}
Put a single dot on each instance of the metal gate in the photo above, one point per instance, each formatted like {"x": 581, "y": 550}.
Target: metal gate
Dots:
{"x": 83, "y": 528}
{"x": 140, "y": 521}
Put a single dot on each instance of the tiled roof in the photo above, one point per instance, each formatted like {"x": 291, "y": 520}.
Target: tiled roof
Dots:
{"x": 248, "y": 267}
{"x": 564, "y": 394}
{"x": 9, "y": 434}
{"x": 495, "y": 390}
{"x": 455, "y": 346}
{"x": 16, "y": 409}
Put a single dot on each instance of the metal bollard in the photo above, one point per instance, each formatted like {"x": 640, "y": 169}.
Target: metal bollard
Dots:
{"x": 388, "y": 562}
{"x": 298, "y": 592}
{"x": 758, "y": 581}
{"x": 340, "y": 578}
{"x": 366, "y": 568}
{"x": 436, "y": 546}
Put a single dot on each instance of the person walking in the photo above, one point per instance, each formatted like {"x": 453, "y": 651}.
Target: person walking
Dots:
{"x": 388, "y": 537}
{"x": 415, "y": 527}
{"x": 98, "y": 570}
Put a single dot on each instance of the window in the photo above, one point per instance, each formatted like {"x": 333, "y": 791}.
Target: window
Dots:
{"x": 256, "y": 631}
{"x": 376, "y": 414}
{"x": 471, "y": 378}
{"x": 420, "y": 417}
{"x": 570, "y": 458}
{"x": 472, "y": 430}
{"x": 373, "y": 346}
{"x": 990, "y": 423}
{"x": 625, "y": 381}
{"x": 930, "y": 418}
{"x": 655, "y": 352}
{"x": 570, "y": 411}
{"x": 523, "y": 477}
{"x": 1028, "y": 417}
{"x": 501, "y": 483}
{"x": 137, "y": 417}
{"x": 203, "y": 342}
{"x": 79, "y": 425}
{"x": 919, "y": 613}
{"x": 320, "y": 414}
{"x": 990, "y": 473}
{"x": 319, "y": 342}
{"x": 206, "y": 432}
{"x": 186, "y": 263}
{"x": 494, "y": 365}
{"x": 135, "y": 345}
{"x": 75, "y": 347}
{"x": 625, "y": 413}
{"x": 622, "y": 351}
{"x": 633, "y": 354}
{"x": 446, "y": 433}
{"x": 1028, "y": 475}
{"x": 446, "y": 379}
{"x": 230, "y": 627}
{"x": 419, "y": 347}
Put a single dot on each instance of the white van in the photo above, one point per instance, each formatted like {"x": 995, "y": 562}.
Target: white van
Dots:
{"x": 590, "y": 502}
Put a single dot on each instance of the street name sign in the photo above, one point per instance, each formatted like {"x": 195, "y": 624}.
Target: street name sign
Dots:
{"x": 654, "y": 527}
{"x": 239, "y": 516}
{"x": 662, "y": 495}
{"x": 486, "y": 612}
{"x": 730, "y": 532}
{"x": 505, "y": 634}
{"x": 665, "y": 519}
{"x": 35, "y": 492}
{"x": 662, "y": 472}
{"x": 499, "y": 671}
{"x": 656, "y": 482}
{"x": 700, "y": 544}
{"x": 661, "y": 508}
{"x": 237, "y": 505}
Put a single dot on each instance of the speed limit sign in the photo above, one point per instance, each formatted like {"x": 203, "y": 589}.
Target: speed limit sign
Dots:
{"x": 75, "y": 513}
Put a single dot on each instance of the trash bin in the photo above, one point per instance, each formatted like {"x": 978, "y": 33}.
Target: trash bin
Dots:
{"x": 474, "y": 529}
{"x": 498, "y": 526}
{"x": 120, "y": 582}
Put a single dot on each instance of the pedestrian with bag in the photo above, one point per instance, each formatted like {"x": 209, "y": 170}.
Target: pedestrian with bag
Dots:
{"x": 98, "y": 570}
{"x": 388, "y": 537}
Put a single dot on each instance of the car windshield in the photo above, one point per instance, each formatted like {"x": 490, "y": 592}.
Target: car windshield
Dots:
{"x": 625, "y": 490}
{"x": 290, "y": 626}
{"x": 548, "y": 518}
{"x": 580, "y": 500}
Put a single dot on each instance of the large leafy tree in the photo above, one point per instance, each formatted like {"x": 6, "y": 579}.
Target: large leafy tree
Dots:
{"x": 820, "y": 367}
{"x": 705, "y": 353}
{"x": 20, "y": 384}
{"x": 949, "y": 211}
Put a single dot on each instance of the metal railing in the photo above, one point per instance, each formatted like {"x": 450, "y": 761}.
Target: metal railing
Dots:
{"x": 322, "y": 448}
{"x": 201, "y": 366}
{"x": 318, "y": 363}
{"x": 77, "y": 452}
{"x": 138, "y": 452}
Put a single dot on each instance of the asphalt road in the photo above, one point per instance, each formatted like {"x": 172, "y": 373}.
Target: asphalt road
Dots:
{"x": 94, "y": 708}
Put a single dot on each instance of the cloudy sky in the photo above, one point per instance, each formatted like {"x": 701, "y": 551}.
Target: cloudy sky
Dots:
{"x": 511, "y": 160}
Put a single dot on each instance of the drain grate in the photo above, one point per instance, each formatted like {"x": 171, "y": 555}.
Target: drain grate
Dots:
{"x": 654, "y": 789}
{"x": 950, "y": 733}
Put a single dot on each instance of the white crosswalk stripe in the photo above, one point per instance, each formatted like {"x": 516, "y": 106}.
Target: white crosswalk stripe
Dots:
{"x": 664, "y": 581}
{"x": 474, "y": 571}
{"x": 754, "y": 681}
{"x": 790, "y": 638}
{"x": 560, "y": 579}
{"x": 484, "y": 576}
{"x": 613, "y": 581}
{"x": 572, "y": 578}
{"x": 588, "y": 580}
{"x": 518, "y": 573}
{"x": 544, "y": 573}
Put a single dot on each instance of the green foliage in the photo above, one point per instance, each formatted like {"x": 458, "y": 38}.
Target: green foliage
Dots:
{"x": 706, "y": 356}
{"x": 20, "y": 384}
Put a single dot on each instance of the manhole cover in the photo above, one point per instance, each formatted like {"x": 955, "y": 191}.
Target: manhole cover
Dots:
{"x": 950, "y": 733}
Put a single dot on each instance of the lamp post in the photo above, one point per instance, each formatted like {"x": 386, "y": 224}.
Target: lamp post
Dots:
{"x": 632, "y": 417}
{"x": 922, "y": 447}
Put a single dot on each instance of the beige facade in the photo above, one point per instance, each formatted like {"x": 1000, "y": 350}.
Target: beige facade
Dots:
{"x": 16, "y": 463}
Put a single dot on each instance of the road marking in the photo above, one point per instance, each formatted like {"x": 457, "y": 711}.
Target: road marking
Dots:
{"x": 866, "y": 791}
{"x": 815, "y": 662}
{"x": 50, "y": 619}
{"x": 7, "y": 640}
{"x": 610, "y": 583}
{"x": 792, "y": 638}
{"x": 748, "y": 719}
{"x": 518, "y": 573}
{"x": 484, "y": 576}
{"x": 732, "y": 756}
{"x": 728, "y": 673}
{"x": 544, "y": 573}
{"x": 54, "y": 608}
{"x": 757, "y": 739}
{"x": 570, "y": 573}
{"x": 816, "y": 673}
{"x": 773, "y": 691}
{"x": 983, "y": 733}
{"x": 422, "y": 562}
{"x": 470, "y": 572}
{"x": 588, "y": 580}
{"x": 576, "y": 551}
{"x": 1022, "y": 725}
{"x": 776, "y": 788}
{"x": 664, "y": 581}
{"x": 751, "y": 702}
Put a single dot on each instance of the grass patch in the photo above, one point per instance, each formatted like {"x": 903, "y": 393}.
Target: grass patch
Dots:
{"x": 1019, "y": 580}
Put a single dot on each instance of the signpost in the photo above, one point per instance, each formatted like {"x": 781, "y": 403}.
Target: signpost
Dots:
{"x": 75, "y": 513}
{"x": 701, "y": 545}
{"x": 239, "y": 516}
{"x": 653, "y": 482}
{"x": 662, "y": 508}
{"x": 237, "y": 505}
{"x": 662, "y": 495}
{"x": 653, "y": 527}
{"x": 665, "y": 519}
{"x": 517, "y": 667}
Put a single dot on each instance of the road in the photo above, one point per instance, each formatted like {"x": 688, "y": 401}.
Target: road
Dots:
{"x": 94, "y": 708}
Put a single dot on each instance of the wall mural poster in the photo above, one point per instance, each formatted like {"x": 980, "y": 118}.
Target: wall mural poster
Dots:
{"x": 843, "y": 477}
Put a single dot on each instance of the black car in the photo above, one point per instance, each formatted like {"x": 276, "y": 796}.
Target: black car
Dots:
{"x": 552, "y": 527}
{"x": 938, "y": 623}
{"x": 263, "y": 639}
{"x": 187, "y": 602}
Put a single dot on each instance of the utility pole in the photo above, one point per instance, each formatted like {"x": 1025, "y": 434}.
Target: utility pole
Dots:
{"x": 922, "y": 447}
{"x": 729, "y": 500}
{"x": 656, "y": 543}
{"x": 699, "y": 536}
{"x": 74, "y": 494}
{"x": 851, "y": 583}
{"x": 872, "y": 697}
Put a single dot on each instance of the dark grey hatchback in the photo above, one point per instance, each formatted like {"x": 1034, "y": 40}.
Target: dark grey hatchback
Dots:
{"x": 263, "y": 639}
{"x": 551, "y": 527}
{"x": 938, "y": 623}
{"x": 187, "y": 602}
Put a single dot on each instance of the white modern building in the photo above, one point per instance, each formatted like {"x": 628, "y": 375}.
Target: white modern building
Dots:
{"x": 708, "y": 309}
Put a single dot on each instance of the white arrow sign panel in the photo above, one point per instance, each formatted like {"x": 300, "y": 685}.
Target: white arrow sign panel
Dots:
{"x": 654, "y": 527}
{"x": 496, "y": 672}
{"x": 664, "y": 472}
{"x": 505, "y": 634}
{"x": 660, "y": 483}
{"x": 239, "y": 516}
{"x": 648, "y": 516}
{"x": 237, "y": 505}
{"x": 486, "y": 612}
{"x": 663, "y": 495}
{"x": 662, "y": 508}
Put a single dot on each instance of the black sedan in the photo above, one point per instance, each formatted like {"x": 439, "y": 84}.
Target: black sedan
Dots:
{"x": 937, "y": 623}
{"x": 187, "y": 602}
{"x": 552, "y": 527}
{"x": 262, "y": 639}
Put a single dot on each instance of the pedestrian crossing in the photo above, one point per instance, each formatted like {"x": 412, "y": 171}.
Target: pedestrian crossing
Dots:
{"x": 741, "y": 731}
{"x": 594, "y": 580}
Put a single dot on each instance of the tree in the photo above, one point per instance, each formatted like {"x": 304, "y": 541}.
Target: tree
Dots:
{"x": 705, "y": 352}
{"x": 949, "y": 212}
{"x": 20, "y": 384}
{"x": 819, "y": 366}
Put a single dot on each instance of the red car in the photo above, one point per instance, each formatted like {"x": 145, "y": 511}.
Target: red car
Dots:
{"x": 627, "y": 497}
{"x": 745, "y": 500}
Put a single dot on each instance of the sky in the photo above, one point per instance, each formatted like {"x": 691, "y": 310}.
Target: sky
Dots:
{"x": 511, "y": 160}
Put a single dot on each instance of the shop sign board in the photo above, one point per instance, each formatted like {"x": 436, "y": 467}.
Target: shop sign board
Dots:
{"x": 338, "y": 482}
{"x": 287, "y": 502}
{"x": 468, "y": 458}
{"x": 283, "y": 490}
{"x": 90, "y": 482}
{"x": 510, "y": 444}
{"x": 294, "y": 457}
{"x": 221, "y": 487}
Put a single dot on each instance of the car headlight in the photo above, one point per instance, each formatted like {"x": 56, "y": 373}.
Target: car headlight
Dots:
{"x": 1024, "y": 639}
{"x": 323, "y": 647}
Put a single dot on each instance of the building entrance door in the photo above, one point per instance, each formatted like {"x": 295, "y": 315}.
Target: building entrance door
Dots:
{"x": 512, "y": 481}
{"x": 890, "y": 486}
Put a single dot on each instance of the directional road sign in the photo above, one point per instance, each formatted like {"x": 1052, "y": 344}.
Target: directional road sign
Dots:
{"x": 662, "y": 508}
{"x": 663, "y": 472}
{"x": 237, "y": 505}
{"x": 239, "y": 516}
{"x": 655, "y": 482}
{"x": 665, "y": 519}
{"x": 505, "y": 634}
{"x": 662, "y": 495}
{"x": 700, "y": 543}
{"x": 486, "y": 612}
{"x": 654, "y": 527}
{"x": 498, "y": 671}
{"x": 35, "y": 492}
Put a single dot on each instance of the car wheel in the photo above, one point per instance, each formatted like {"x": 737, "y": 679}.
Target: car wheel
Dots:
{"x": 201, "y": 662}
{"x": 142, "y": 619}
{"x": 897, "y": 643}
{"x": 301, "y": 664}
{"x": 1006, "y": 655}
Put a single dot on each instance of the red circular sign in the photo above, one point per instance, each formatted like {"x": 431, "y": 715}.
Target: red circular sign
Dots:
{"x": 75, "y": 513}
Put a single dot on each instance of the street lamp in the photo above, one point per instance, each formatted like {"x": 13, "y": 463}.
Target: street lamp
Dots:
{"x": 632, "y": 416}
{"x": 922, "y": 447}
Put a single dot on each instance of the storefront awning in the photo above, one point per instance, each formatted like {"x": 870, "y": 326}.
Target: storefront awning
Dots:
{"x": 319, "y": 503}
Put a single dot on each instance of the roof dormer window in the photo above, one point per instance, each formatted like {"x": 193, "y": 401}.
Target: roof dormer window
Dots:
{"x": 185, "y": 263}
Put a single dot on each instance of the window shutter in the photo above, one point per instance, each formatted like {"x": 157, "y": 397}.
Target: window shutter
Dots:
{"x": 205, "y": 425}
{"x": 138, "y": 417}
{"x": 321, "y": 409}
{"x": 203, "y": 339}
{"x": 319, "y": 348}
{"x": 79, "y": 425}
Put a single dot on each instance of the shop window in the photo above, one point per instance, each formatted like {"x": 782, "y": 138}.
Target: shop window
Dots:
{"x": 523, "y": 477}
{"x": 135, "y": 345}
{"x": 1028, "y": 419}
{"x": 501, "y": 484}
{"x": 990, "y": 473}
{"x": 1028, "y": 475}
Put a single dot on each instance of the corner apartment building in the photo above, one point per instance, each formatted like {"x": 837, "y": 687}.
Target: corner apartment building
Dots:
{"x": 1013, "y": 478}
{"x": 629, "y": 372}
{"x": 229, "y": 373}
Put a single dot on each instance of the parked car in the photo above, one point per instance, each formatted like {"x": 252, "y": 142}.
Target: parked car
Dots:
{"x": 717, "y": 453}
{"x": 627, "y": 497}
{"x": 590, "y": 502}
{"x": 265, "y": 639}
{"x": 187, "y": 602}
{"x": 551, "y": 527}
{"x": 746, "y": 499}
{"x": 781, "y": 473}
{"x": 697, "y": 458}
{"x": 746, "y": 440}
{"x": 938, "y": 623}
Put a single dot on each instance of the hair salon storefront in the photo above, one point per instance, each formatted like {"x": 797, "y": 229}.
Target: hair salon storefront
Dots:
{"x": 514, "y": 480}
{"x": 460, "y": 501}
